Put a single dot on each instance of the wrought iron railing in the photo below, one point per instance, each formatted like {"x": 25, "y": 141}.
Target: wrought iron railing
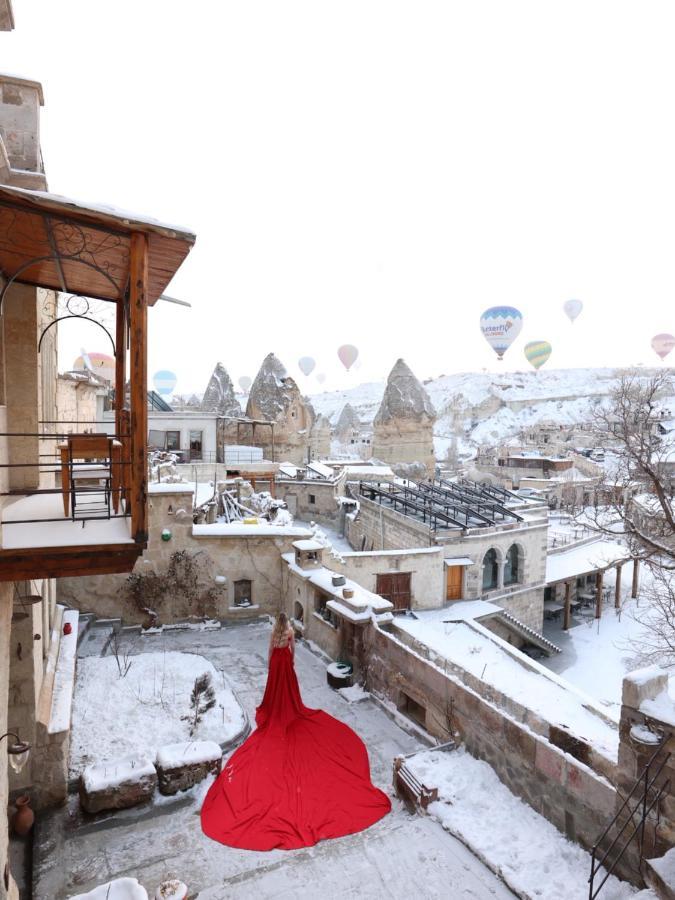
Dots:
{"x": 646, "y": 801}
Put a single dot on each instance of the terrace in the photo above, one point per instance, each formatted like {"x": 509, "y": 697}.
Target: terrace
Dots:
{"x": 73, "y": 498}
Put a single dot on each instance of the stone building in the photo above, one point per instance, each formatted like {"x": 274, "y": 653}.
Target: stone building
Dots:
{"x": 275, "y": 397}
{"x": 403, "y": 426}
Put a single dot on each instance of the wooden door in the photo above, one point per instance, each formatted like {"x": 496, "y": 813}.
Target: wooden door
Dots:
{"x": 454, "y": 582}
{"x": 395, "y": 586}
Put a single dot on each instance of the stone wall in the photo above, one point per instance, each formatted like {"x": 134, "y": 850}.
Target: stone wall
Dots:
{"x": 427, "y": 582}
{"x": 379, "y": 528}
{"x": 577, "y": 800}
{"x": 648, "y": 704}
{"x": 311, "y": 501}
{"x": 240, "y": 554}
{"x": 300, "y": 604}
{"x": 6, "y": 597}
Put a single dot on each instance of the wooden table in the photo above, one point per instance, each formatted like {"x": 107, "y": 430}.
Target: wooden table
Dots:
{"x": 116, "y": 475}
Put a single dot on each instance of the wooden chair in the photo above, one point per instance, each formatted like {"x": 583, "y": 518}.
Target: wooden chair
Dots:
{"x": 90, "y": 462}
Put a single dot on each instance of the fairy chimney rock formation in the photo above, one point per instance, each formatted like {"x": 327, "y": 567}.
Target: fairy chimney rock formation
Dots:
{"x": 320, "y": 438}
{"x": 348, "y": 424}
{"x": 404, "y": 424}
{"x": 275, "y": 397}
{"x": 219, "y": 395}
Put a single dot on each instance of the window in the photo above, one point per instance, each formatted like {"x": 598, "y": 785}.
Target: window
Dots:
{"x": 512, "y": 573}
{"x": 412, "y": 709}
{"x": 312, "y": 499}
{"x": 172, "y": 440}
{"x": 243, "y": 595}
{"x": 320, "y": 601}
{"x": 490, "y": 570}
{"x": 298, "y": 612}
{"x": 195, "y": 445}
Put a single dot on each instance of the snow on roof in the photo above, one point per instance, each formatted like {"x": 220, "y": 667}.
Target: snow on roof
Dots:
{"x": 321, "y": 469}
{"x": 289, "y": 470}
{"x": 458, "y": 561}
{"x": 167, "y": 487}
{"x": 357, "y": 608}
{"x": 484, "y": 655}
{"x": 308, "y": 546}
{"x": 586, "y": 558}
{"x": 239, "y": 529}
{"x": 372, "y": 471}
{"x": 467, "y": 610}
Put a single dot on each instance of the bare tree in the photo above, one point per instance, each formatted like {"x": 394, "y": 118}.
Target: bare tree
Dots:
{"x": 633, "y": 424}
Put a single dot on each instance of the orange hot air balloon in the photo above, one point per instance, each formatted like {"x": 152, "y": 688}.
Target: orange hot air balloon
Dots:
{"x": 662, "y": 344}
{"x": 348, "y": 354}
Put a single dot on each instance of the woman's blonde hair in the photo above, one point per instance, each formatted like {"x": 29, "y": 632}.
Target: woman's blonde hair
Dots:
{"x": 280, "y": 627}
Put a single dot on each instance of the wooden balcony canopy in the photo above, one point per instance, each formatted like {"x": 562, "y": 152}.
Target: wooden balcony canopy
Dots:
{"x": 52, "y": 242}
{"x": 101, "y": 253}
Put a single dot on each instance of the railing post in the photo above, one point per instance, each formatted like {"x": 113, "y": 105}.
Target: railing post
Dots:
{"x": 644, "y": 811}
{"x": 138, "y": 321}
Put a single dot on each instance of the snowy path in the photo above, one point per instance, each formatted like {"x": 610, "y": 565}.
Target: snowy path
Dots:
{"x": 402, "y": 856}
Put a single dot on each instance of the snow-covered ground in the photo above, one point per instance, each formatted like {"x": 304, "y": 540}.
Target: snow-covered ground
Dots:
{"x": 116, "y": 716}
{"x": 529, "y": 853}
{"x": 597, "y": 653}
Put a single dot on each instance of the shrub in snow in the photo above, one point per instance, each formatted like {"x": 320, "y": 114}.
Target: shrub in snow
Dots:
{"x": 202, "y": 699}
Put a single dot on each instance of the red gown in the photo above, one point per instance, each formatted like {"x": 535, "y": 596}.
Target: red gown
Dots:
{"x": 301, "y": 776}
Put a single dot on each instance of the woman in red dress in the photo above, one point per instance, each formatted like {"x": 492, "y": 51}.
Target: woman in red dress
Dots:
{"x": 301, "y": 776}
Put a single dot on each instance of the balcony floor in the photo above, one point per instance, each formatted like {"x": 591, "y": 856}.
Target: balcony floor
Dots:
{"x": 61, "y": 533}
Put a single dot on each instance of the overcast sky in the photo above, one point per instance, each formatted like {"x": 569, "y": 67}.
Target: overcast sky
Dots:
{"x": 373, "y": 172}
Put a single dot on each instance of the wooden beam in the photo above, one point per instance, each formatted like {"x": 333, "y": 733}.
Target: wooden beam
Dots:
{"x": 138, "y": 378}
{"x": 67, "y": 562}
{"x": 567, "y": 621}
{"x": 120, "y": 363}
{"x": 636, "y": 573}
{"x": 598, "y": 594}
{"x": 617, "y": 590}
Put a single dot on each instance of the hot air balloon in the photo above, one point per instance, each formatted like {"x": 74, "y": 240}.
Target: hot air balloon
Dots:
{"x": 537, "y": 353}
{"x": 245, "y": 383}
{"x": 99, "y": 363}
{"x": 572, "y": 309}
{"x": 347, "y": 355}
{"x": 501, "y": 325}
{"x": 662, "y": 344}
{"x": 164, "y": 381}
{"x": 321, "y": 377}
{"x": 306, "y": 365}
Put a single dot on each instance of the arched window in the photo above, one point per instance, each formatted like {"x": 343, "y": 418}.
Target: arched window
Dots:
{"x": 490, "y": 570}
{"x": 512, "y": 566}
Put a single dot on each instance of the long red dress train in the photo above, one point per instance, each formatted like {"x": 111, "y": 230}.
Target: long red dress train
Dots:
{"x": 301, "y": 776}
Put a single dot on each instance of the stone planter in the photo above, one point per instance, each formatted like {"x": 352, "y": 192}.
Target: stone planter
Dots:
{"x": 118, "y": 784}
{"x": 173, "y": 889}
{"x": 180, "y": 766}
{"x": 339, "y": 675}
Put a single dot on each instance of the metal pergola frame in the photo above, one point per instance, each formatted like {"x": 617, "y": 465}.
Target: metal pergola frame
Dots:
{"x": 442, "y": 504}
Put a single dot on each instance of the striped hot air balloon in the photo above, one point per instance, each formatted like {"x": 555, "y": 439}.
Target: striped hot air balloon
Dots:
{"x": 537, "y": 353}
{"x": 501, "y": 325}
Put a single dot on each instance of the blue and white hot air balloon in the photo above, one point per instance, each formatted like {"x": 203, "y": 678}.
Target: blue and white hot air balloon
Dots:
{"x": 164, "y": 382}
{"x": 501, "y": 325}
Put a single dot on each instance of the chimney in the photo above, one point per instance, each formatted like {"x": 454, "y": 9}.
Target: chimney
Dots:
{"x": 20, "y": 102}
